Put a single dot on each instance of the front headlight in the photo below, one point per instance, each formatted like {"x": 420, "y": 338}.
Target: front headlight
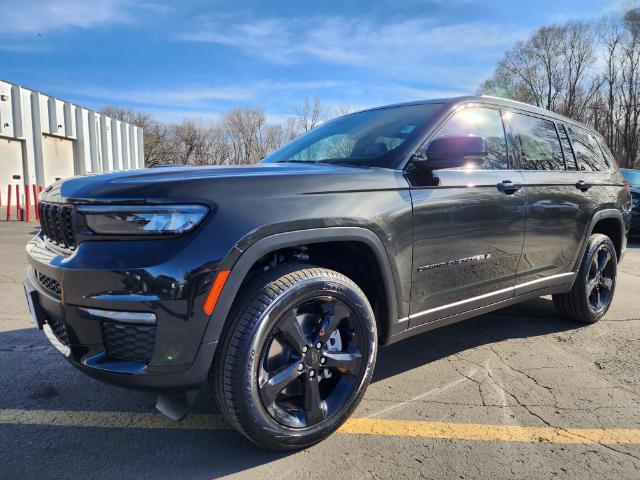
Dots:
{"x": 143, "y": 219}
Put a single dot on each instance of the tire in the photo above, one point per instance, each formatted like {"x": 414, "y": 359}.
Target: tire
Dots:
{"x": 327, "y": 307}
{"x": 592, "y": 292}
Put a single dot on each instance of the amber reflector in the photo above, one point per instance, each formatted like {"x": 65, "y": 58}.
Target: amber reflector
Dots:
{"x": 214, "y": 293}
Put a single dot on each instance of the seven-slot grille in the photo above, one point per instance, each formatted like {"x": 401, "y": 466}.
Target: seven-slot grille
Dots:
{"x": 56, "y": 221}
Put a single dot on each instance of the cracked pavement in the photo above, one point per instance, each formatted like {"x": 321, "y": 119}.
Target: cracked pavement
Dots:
{"x": 522, "y": 366}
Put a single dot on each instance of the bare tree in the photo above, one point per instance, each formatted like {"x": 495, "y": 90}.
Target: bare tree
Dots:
{"x": 605, "y": 111}
{"x": 156, "y": 150}
{"x": 310, "y": 114}
{"x": 243, "y": 129}
{"x": 344, "y": 109}
{"x": 241, "y": 136}
{"x": 629, "y": 89}
{"x": 193, "y": 143}
{"x": 590, "y": 72}
{"x": 291, "y": 129}
{"x": 219, "y": 150}
{"x": 552, "y": 69}
{"x": 577, "y": 57}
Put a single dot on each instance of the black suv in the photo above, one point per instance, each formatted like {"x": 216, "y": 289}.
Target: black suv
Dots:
{"x": 276, "y": 282}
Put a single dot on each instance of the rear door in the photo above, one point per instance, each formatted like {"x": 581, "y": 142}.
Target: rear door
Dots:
{"x": 558, "y": 211}
{"x": 597, "y": 181}
{"x": 468, "y": 224}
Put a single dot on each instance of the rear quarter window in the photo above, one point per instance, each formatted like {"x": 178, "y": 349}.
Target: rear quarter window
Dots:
{"x": 608, "y": 156}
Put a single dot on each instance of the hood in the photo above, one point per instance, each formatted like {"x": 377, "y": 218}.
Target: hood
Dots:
{"x": 179, "y": 183}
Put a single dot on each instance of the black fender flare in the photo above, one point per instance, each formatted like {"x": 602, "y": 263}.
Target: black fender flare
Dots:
{"x": 601, "y": 215}
{"x": 277, "y": 241}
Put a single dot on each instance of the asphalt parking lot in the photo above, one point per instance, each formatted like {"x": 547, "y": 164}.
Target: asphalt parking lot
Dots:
{"x": 520, "y": 393}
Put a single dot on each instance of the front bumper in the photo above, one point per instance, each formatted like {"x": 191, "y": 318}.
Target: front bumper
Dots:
{"x": 166, "y": 357}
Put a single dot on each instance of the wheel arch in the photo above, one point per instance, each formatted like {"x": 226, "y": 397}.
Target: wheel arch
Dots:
{"x": 609, "y": 222}
{"x": 314, "y": 236}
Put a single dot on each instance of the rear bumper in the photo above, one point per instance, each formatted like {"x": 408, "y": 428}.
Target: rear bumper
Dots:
{"x": 166, "y": 357}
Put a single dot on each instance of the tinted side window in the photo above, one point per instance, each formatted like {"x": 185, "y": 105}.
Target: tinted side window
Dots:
{"x": 608, "y": 156}
{"x": 588, "y": 153}
{"x": 481, "y": 122}
{"x": 539, "y": 143}
{"x": 569, "y": 157}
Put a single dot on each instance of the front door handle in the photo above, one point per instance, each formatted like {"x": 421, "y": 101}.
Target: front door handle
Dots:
{"x": 508, "y": 187}
{"x": 582, "y": 185}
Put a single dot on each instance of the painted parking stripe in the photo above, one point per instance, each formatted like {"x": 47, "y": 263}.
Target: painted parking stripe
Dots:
{"x": 72, "y": 418}
{"x": 507, "y": 433}
{"x": 353, "y": 426}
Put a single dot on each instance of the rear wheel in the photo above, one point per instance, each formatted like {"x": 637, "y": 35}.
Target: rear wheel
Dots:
{"x": 592, "y": 292}
{"x": 296, "y": 357}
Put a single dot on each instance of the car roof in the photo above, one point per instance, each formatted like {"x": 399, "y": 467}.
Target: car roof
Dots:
{"x": 491, "y": 100}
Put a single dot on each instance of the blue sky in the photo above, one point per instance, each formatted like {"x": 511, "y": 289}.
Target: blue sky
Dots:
{"x": 200, "y": 58}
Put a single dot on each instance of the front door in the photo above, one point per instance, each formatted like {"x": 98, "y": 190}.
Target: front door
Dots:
{"x": 468, "y": 223}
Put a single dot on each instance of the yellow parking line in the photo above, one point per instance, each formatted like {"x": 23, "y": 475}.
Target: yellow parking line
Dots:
{"x": 72, "y": 418}
{"x": 353, "y": 426}
{"x": 473, "y": 431}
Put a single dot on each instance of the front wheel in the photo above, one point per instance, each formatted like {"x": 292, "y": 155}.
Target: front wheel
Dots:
{"x": 592, "y": 292}
{"x": 296, "y": 358}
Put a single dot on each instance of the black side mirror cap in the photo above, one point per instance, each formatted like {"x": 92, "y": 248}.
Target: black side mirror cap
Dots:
{"x": 455, "y": 151}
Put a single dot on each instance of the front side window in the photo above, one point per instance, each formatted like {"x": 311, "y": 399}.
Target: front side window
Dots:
{"x": 539, "y": 143}
{"x": 374, "y": 138}
{"x": 485, "y": 123}
{"x": 588, "y": 153}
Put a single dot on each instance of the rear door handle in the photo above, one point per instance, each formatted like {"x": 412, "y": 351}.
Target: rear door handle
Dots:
{"x": 582, "y": 185}
{"x": 508, "y": 187}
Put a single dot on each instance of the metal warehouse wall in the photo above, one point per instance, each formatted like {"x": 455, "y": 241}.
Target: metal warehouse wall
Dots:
{"x": 43, "y": 139}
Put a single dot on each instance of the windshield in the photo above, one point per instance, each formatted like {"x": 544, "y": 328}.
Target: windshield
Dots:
{"x": 372, "y": 138}
{"x": 631, "y": 176}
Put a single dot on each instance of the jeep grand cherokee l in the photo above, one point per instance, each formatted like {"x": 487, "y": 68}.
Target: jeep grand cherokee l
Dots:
{"x": 276, "y": 282}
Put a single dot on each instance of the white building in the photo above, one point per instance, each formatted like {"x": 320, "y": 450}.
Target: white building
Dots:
{"x": 44, "y": 139}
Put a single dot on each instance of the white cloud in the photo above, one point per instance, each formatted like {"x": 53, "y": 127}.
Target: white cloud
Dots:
{"x": 39, "y": 16}
{"x": 177, "y": 116}
{"x": 195, "y": 95}
{"x": 397, "y": 45}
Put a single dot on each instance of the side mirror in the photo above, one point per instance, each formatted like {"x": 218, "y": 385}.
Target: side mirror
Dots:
{"x": 455, "y": 151}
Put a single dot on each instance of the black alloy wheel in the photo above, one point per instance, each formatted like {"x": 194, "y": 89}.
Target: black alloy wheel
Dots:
{"x": 295, "y": 357}
{"x": 592, "y": 292}
{"x": 600, "y": 279}
{"x": 311, "y": 362}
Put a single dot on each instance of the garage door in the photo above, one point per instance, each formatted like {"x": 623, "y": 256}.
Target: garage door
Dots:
{"x": 10, "y": 167}
{"x": 58, "y": 158}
